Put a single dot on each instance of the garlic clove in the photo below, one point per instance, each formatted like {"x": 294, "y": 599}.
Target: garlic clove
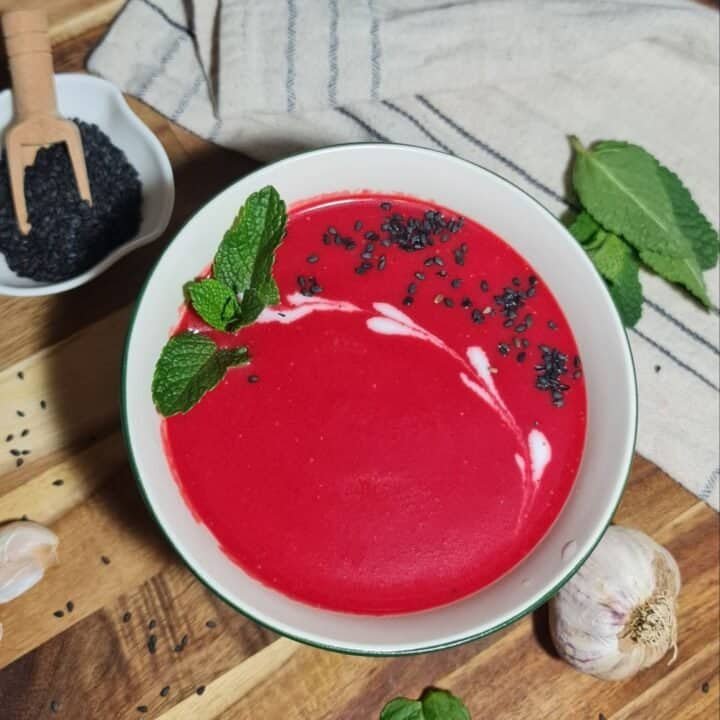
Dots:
{"x": 617, "y": 615}
{"x": 27, "y": 549}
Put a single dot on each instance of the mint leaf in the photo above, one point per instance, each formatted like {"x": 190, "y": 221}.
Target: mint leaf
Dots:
{"x": 190, "y": 365}
{"x": 214, "y": 302}
{"x": 692, "y": 223}
{"x": 443, "y": 705}
{"x": 246, "y": 254}
{"x": 402, "y": 709}
{"x": 620, "y": 185}
{"x": 685, "y": 272}
{"x": 583, "y": 227}
{"x": 433, "y": 705}
{"x": 617, "y": 263}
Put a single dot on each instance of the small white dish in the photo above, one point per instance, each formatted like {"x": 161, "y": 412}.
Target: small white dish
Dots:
{"x": 97, "y": 101}
{"x": 610, "y": 381}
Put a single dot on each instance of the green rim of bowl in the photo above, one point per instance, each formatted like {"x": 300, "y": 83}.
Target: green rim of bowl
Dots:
{"x": 324, "y": 646}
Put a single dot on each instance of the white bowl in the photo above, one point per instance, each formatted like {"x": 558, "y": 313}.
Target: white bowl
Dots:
{"x": 98, "y": 101}
{"x": 609, "y": 375}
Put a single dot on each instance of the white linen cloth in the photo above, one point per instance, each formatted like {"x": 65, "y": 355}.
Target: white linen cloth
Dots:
{"x": 500, "y": 82}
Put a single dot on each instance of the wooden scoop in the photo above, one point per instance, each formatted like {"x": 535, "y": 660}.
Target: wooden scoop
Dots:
{"x": 36, "y": 122}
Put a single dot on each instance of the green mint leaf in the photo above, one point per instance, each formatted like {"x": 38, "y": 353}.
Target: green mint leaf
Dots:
{"x": 617, "y": 263}
{"x": 214, "y": 302}
{"x": 620, "y": 185}
{"x": 685, "y": 272}
{"x": 583, "y": 227}
{"x": 246, "y": 254}
{"x": 402, "y": 709}
{"x": 433, "y": 705}
{"x": 189, "y": 366}
{"x": 443, "y": 705}
{"x": 696, "y": 228}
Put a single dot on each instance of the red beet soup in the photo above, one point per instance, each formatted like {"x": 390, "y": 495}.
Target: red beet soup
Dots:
{"x": 411, "y": 422}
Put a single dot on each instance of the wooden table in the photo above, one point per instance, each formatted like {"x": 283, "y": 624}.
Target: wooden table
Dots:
{"x": 120, "y": 575}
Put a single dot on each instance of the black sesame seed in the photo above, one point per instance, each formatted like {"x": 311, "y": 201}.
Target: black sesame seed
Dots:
{"x": 26, "y": 452}
{"x": 58, "y": 482}
{"x": 408, "y": 300}
{"x": 420, "y": 276}
{"x": 59, "y": 613}
{"x": 164, "y": 692}
{"x": 350, "y": 244}
{"x": 705, "y": 687}
{"x": 316, "y": 289}
{"x": 477, "y": 316}
{"x": 15, "y": 452}
{"x": 522, "y": 327}
{"x": 20, "y": 413}
{"x": 126, "y": 617}
{"x": 252, "y": 379}
{"x": 521, "y": 356}
{"x": 211, "y": 624}
{"x": 657, "y": 368}
{"x": 200, "y": 690}
{"x": 142, "y": 708}
{"x": 332, "y": 230}
{"x": 105, "y": 559}
{"x": 456, "y": 283}
{"x": 21, "y": 375}
{"x": 70, "y": 605}
{"x": 43, "y": 404}
{"x": 25, "y": 433}
{"x": 152, "y": 644}
{"x": 532, "y": 280}
{"x": 8, "y": 438}
{"x": 382, "y": 260}
{"x": 358, "y": 225}
{"x": 442, "y": 273}
{"x": 466, "y": 303}
{"x": 429, "y": 261}
{"x": 301, "y": 281}
{"x": 449, "y": 302}
{"x": 412, "y": 289}
{"x": 530, "y": 292}
{"x": 19, "y": 462}
{"x": 54, "y": 706}
{"x": 312, "y": 259}
{"x": 327, "y": 239}
{"x": 484, "y": 286}
{"x": 385, "y": 205}
{"x": 370, "y": 235}
{"x": 508, "y": 323}
{"x": 184, "y": 640}
{"x": 503, "y": 349}
{"x": 576, "y": 361}
{"x": 516, "y": 281}
{"x": 151, "y": 625}
{"x": 552, "y": 325}
{"x": 438, "y": 260}
{"x": 601, "y": 716}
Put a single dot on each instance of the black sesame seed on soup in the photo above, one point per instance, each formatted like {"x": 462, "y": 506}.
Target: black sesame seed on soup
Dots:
{"x": 67, "y": 235}
{"x": 419, "y": 424}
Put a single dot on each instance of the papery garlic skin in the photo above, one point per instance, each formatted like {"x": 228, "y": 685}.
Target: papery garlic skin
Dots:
{"x": 26, "y": 550}
{"x": 617, "y": 615}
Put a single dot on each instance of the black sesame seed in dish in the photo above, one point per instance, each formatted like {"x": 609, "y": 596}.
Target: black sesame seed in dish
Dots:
{"x": 67, "y": 235}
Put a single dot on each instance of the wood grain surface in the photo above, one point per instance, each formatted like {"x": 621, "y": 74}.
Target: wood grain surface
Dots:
{"x": 119, "y": 584}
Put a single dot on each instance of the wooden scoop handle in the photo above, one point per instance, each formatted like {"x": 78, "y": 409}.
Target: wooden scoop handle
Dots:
{"x": 30, "y": 60}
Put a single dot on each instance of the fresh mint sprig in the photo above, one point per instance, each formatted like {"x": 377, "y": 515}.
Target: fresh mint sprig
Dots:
{"x": 191, "y": 364}
{"x": 636, "y": 211}
{"x": 434, "y": 704}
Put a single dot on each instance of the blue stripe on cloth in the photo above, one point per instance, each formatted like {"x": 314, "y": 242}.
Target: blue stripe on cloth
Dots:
{"x": 417, "y": 124}
{"x": 364, "y": 125}
{"x": 333, "y": 52}
{"x": 493, "y": 152}
{"x": 187, "y": 96}
{"x": 710, "y": 484}
{"x": 144, "y": 86}
{"x": 676, "y": 359}
{"x": 375, "y": 51}
{"x": 290, "y": 55}
{"x": 678, "y": 323}
{"x": 167, "y": 18}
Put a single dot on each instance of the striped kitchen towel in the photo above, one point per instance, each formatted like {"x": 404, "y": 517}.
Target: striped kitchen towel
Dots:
{"x": 500, "y": 82}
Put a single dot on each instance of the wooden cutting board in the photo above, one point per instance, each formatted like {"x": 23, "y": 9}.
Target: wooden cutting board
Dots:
{"x": 77, "y": 645}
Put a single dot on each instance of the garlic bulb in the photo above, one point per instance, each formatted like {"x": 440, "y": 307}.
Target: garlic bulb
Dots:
{"x": 617, "y": 615}
{"x": 26, "y": 550}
